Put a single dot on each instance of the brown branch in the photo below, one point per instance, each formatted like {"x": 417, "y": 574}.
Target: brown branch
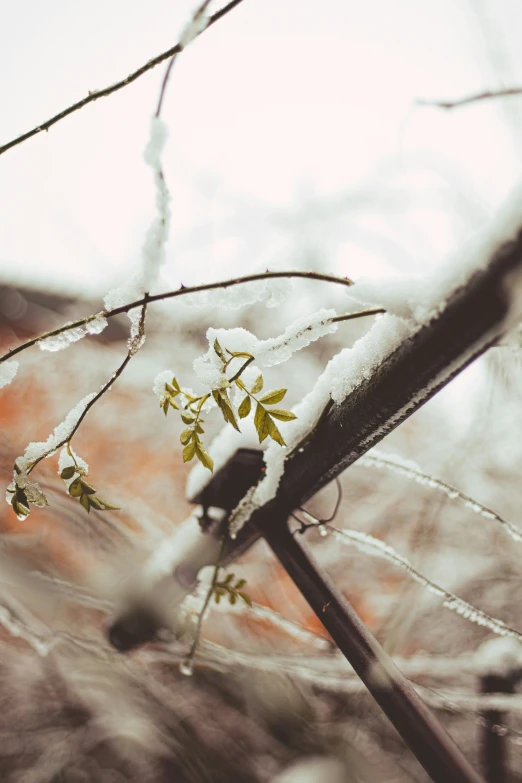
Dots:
{"x": 134, "y": 345}
{"x": 171, "y": 295}
{"x": 475, "y": 98}
{"x": 197, "y": 14}
{"x": 93, "y": 96}
{"x": 359, "y": 314}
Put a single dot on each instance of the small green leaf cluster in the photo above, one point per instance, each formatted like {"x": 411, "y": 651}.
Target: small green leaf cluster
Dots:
{"x": 85, "y": 492}
{"x": 234, "y": 592}
{"x": 190, "y": 407}
{"x": 264, "y": 418}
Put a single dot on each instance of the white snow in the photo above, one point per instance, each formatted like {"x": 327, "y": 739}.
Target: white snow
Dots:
{"x": 347, "y": 370}
{"x": 58, "y": 342}
{"x": 197, "y": 24}
{"x": 153, "y": 250}
{"x": 8, "y": 371}
{"x": 37, "y": 451}
{"x": 130, "y": 290}
{"x": 272, "y": 291}
{"x": 267, "y": 353}
{"x": 500, "y": 656}
{"x": 410, "y": 470}
{"x": 374, "y": 546}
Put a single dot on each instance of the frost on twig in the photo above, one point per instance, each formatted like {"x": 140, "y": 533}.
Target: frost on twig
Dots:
{"x": 131, "y": 289}
{"x": 272, "y": 291}
{"x": 95, "y": 325}
{"x": 374, "y": 546}
{"x": 266, "y": 353}
{"x": 398, "y": 465}
{"x": 153, "y": 251}
{"x": 22, "y": 490}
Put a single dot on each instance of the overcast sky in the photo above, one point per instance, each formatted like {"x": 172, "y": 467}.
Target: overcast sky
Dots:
{"x": 292, "y": 131}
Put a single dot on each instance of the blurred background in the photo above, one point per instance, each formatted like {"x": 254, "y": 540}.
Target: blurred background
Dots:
{"x": 295, "y": 141}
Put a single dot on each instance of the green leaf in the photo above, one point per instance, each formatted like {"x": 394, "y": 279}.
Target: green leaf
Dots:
{"x": 225, "y": 407}
{"x": 175, "y": 384}
{"x": 232, "y": 597}
{"x": 205, "y": 458}
{"x": 87, "y": 487}
{"x": 241, "y": 355}
{"x": 68, "y": 473}
{"x": 245, "y": 408}
{"x": 105, "y": 505}
{"x": 102, "y": 505}
{"x": 173, "y": 404}
{"x": 219, "y": 350}
{"x": 246, "y": 598}
{"x": 185, "y": 436}
{"x": 239, "y": 584}
{"x": 274, "y": 432}
{"x": 258, "y": 385}
{"x": 19, "y": 509}
{"x": 199, "y": 429}
{"x": 261, "y": 420}
{"x": 229, "y": 578}
{"x": 274, "y": 396}
{"x": 165, "y": 405}
{"x": 172, "y": 391}
{"x": 85, "y": 501}
{"x": 75, "y": 489}
{"x": 218, "y": 595}
{"x": 189, "y": 451}
{"x": 282, "y": 415}
{"x": 187, "y": 418}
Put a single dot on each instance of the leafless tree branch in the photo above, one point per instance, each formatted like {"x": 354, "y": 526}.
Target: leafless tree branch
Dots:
{"x": 172, "y": 294}
{"x": 95, "y": 94}
{"x": 475, "y": 98}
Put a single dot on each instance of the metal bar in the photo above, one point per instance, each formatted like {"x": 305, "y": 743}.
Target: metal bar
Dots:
{"x": 494, "y": 746}
{"x": 469, "y": 322}
{"x": 424, "y": 735}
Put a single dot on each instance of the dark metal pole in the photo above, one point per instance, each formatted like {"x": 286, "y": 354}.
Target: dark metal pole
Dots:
{"x": 424, "y": 735}
{"x": 494, "y": 750}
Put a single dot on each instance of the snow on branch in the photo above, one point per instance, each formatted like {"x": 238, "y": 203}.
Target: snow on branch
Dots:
{"x": 395, "y": 464}
{"x": 374, "y": 546}
{"x": 121, "y": 306}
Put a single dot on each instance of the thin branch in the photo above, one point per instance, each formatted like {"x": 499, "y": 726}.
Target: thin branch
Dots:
{"x": 359, "y": 314}
{"x": 171, "y": 295}
{"x": 451, "y": 492}
{"x": 133, "y": 348}
{"x": 187, "y": 664}
{"x": 374, "y": 546}
{"x": 195, "y": 17}
{"x": 94, "y": 95}
{"x": 475, "y": 98}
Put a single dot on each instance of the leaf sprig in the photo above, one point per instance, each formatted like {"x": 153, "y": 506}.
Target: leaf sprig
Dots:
{"x": 234, "y": 592}
{"x": 81, "y": 489}
{"x": 191, "y": 407}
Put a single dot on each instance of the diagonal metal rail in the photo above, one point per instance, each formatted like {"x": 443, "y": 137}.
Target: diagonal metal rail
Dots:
{"x": 470, "y": 321}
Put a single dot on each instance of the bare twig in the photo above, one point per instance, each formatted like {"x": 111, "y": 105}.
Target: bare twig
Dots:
{"x": 133, "y": 347}
{"x": 475, "y": 98}
{"x": 182, "y": 291}
{"x": 95, "y": 94}
{"x": 358, "y": 314}
{"x": 188, "y": 662}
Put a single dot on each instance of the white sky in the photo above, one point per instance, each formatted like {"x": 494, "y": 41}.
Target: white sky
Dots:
{"x": 279, "y": 117}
